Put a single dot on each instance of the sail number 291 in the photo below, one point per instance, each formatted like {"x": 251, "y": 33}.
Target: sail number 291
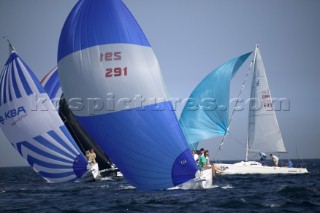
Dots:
{"x": 115, "y": 71}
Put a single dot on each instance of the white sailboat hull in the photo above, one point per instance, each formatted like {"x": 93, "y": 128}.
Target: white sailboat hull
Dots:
{"x": 203, "y": 180}
{"x": 92, "y": 173}
{"x": 253, "y": 167}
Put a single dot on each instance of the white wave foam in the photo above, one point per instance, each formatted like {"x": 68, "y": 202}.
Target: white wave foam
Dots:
{"x": 228, "y": 186}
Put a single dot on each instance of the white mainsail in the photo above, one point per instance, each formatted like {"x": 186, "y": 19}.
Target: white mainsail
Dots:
{"x": 263, "y": 130}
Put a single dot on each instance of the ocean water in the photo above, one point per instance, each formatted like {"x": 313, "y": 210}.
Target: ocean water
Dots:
{"x": 22, "y": 190}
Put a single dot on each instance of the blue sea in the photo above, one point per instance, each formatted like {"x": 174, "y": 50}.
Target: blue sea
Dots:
{"x": 23, "y": 190}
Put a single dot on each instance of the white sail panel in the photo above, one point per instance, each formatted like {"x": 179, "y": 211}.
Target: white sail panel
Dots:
{"x": 136, "y": 64}
{"x": 263, "y": 130}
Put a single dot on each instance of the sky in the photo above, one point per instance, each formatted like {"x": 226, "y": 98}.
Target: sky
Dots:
{"x": 190, "y": 39}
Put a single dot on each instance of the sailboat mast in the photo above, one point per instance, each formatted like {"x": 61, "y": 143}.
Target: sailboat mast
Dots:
{"x": 254, "y": 61}
{"x": 11, "y": 48}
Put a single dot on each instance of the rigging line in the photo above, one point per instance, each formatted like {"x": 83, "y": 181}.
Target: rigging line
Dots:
{"x": 216, "y": 158}
{"x": 239, "y": 141}
{"x": 66, "y": 121}
{"x": 302, "y": 162}
{"x": 235, "y": 106}
{"x": 297, "y": 153}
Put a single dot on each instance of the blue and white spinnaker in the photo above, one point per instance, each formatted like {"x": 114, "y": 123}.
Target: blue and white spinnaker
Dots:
{"x": 111, "y": 79}
{"x": 51, "y": 84}
{"x": 32, "y": 125}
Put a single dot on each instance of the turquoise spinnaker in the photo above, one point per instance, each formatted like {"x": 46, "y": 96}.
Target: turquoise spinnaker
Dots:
{"x": 206, "y": 113}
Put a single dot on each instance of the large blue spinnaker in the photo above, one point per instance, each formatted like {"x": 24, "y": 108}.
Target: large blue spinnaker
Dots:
{"x": 206, "y": 113}
{"x": 112, "y": 81}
